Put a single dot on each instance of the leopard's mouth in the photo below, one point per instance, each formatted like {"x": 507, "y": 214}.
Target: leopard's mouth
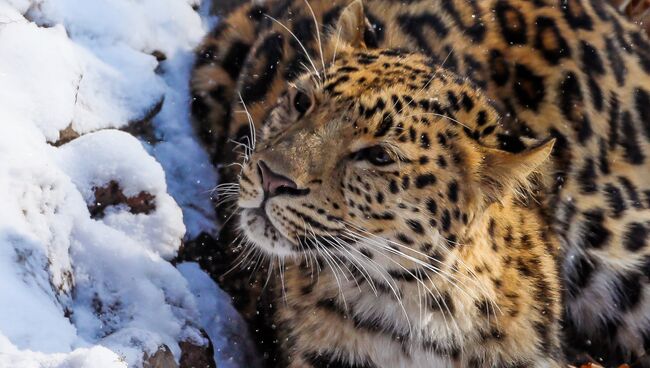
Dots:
{"x": 261, "y": 231}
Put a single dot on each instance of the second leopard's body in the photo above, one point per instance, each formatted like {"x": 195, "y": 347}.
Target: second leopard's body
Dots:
{"x": 572, "y": 70}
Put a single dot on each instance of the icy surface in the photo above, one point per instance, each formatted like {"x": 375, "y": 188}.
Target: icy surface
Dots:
{"x": 81, "y": 287}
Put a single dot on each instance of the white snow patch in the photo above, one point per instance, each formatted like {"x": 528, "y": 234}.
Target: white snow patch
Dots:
{"x": 96, "y": 357}
{"x": 78, "y": 291}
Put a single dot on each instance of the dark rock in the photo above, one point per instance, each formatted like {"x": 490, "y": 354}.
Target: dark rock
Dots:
{"x": 66, "y": 135}
{"x": 163, "y": 358}
{"x": 195, "y": 356}
{"x": 111, "y": 194}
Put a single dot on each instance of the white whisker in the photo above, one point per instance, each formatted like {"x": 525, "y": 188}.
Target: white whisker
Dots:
{"x": 297, "y": 40}
{"x": 320, "y": 44}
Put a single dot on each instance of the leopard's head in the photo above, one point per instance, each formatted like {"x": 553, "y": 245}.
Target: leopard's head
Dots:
{"x": 379, "y": 155}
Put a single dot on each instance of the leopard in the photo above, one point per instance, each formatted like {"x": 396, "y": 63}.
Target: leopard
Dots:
{"x": 441, "y": 183}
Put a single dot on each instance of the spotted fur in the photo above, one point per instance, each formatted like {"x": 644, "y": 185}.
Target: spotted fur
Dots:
{"x": 406, "y": 76}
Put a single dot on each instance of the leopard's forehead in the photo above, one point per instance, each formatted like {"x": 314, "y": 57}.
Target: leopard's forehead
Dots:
{"x": 373, "y": 86}
{"x": 367, "y": 71}
{"x": 370, "y": 72}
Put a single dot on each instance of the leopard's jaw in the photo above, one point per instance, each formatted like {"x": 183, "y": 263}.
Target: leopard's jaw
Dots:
{"x": 260, "y": 231}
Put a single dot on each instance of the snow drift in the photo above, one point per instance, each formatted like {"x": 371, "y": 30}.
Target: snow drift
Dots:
{"x": 90, "y": 215}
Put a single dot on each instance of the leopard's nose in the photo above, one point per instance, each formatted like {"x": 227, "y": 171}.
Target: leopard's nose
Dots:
{"x": 274, "y": 183}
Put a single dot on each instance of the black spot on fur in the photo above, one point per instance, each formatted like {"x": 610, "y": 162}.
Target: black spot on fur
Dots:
{"x": 615, "y": 200}
{"x": 432, "y": 206}
{"x": 206, "y": 55}
{"x": 499, "y": 69}
{"x": 441, "y": 161}
{"x": 529, "y": 87}
{"x": 446, "y": 220}
{"x": 576, "y": 15}
{"x": 544, "y": 333}
{"x": 453, "y": 100}
{"x": 200, "y": 109}
{"x": 642, "y": 49}
{"x": 627, "y": 294}
{"x": 379, "y": 105}
{"x": 442, "y": 140}
{"x": 635, "y": 237}
{"x": 587, "y": 177}
{"x": 616, "y": 61}
{"x": 393, "y": 187}
{"x": 415, "y": 225}
{"x": 476, "y": 29}
{"x": 484, "y": 307}
{"x": 442, "y": 303}
{"x": 596, "y": 234}
{"x": 270, "y": 50}
{"x": 598, "y": 341}
{"x": 631, "y": 191}
{"x": 424, "y": 180}
{"x": 415, "y": 26}
{"x": 572, "y": 105}
{"x": 642, "y": 101}
{"x": 406, "y": 181}
{"x": 579, "y": 273}
{"x": 330, "y": 86}
{"x": 596, "y": 93}
{"x": 633, "y": 152}
{"x": 305, "y": 31}
{"x": 234, "y": 59}
{"x": 424, "y": 141}
{"x": 512, "y": 22}
{"x": 466, "y": 102}
{"x": 403, "y": 239}
{"x": 481, "y": 118}
{"x": 385, "y": 125}
{"x": 600, "y": 8}
{"x": 549, "y": 41}
{"x": 218, "y": 94}
{"x": 332, "y": 15}
{"x": 452, "y": 191}
{"x": 614, "y": 116}
{"x": 489, "y": 130}
{"x": 591, "y": 60}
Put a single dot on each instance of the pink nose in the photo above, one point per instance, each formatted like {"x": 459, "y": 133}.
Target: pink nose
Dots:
{"x": 272, "y": 183}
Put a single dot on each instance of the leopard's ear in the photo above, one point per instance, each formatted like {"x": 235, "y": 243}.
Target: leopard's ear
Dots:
{"x": 351, "y": 25}
{"x": 502, "y": 173}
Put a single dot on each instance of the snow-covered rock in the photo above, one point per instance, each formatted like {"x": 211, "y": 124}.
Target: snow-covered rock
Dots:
{"x": 90, "y": 216}
{"x": 233, "y": 348}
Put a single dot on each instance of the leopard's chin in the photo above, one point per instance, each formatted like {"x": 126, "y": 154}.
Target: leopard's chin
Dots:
{"x": 259, "y": 229}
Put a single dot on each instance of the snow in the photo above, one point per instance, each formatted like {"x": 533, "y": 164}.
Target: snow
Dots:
{"x": 233, "y": 347}
{"x": 160, "y": 231}
{"x": 81, "y": 287}
{"x": 97, "y": 357}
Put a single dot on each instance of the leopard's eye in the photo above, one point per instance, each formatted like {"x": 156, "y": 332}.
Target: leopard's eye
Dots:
{"x": 376, "y": 155}
{"x": 301, "y": 102}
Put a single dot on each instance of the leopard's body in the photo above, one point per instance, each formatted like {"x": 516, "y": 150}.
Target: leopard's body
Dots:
{"x": 503, "y": 272}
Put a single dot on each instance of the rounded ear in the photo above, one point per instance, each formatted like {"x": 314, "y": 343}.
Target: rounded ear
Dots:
{"x": 351, "y": 25}
{"x": 502, "y": 173}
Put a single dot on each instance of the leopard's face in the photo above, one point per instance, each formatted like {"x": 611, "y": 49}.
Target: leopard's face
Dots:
{"x": 381, "y": 153}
